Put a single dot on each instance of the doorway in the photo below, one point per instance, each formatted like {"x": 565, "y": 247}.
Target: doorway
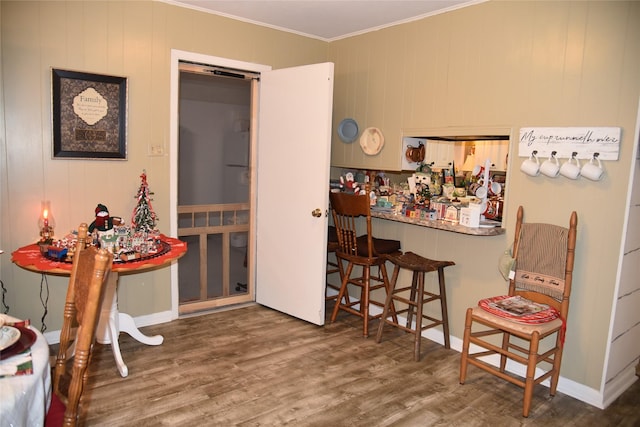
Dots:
{"x": 214, "y": 182}
{"x": 293, "y": 106}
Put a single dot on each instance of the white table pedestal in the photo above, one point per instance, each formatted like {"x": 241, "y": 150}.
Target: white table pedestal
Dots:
{"x": 112, "y": 322}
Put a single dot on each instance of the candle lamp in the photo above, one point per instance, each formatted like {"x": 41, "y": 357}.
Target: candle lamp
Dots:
{"x": 46, "y": 223}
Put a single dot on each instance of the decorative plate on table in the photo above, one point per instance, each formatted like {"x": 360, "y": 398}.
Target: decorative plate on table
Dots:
{"x": 8, "y": 336}
{"x": 25, "y": 341}
{"x": 348, "y": 130}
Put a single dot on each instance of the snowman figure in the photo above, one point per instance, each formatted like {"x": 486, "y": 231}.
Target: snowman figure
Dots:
{"x": 422, "y": 193}
{"x": 103, "y": 221}
{"x": 102, "y": 228}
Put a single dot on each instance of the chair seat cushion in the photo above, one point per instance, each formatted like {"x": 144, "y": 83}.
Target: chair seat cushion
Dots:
{"x": 530, "y": 312}
{"x": 524, "y": 329}
{"x": 55, "y": 414}
{"x": 381, "y": 246}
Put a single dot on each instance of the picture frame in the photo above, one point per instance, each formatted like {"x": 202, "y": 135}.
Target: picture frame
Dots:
{"x": 89, "y": 115}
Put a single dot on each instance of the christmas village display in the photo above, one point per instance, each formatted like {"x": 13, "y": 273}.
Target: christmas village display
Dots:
{"x": 139, "y": 240}
{"x": 430, "y": 194}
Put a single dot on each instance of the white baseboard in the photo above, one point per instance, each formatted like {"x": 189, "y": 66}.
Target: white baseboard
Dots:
{"x": 566, "y": 386}
{"x": 618, "y": 385}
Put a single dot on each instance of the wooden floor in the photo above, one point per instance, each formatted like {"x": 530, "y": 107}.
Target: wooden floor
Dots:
{"x": 257, "y": 367}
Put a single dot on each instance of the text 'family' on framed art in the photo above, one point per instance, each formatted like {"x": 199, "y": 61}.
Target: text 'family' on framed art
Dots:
{"x": 89, "y": 115}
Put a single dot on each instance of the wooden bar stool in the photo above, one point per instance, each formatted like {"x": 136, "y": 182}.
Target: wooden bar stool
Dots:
{"x": 417, "y": 297}
{"x": 365, "y": 252}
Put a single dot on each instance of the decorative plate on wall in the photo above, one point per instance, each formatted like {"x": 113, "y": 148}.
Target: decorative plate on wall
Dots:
{"x": 348, "y": 130}
{"x": 371, "y": 141}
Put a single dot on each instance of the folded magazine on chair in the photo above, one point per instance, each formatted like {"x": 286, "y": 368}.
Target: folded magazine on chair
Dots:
{"x": 518, "y": 306}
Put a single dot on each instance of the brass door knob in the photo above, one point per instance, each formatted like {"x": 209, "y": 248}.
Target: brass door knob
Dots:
{"x": 316, "y": 213}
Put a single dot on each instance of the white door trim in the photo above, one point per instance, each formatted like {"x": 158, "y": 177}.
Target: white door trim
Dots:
{"x": 176, "y": 57}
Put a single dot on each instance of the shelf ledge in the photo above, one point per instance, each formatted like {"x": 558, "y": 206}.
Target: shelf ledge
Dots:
{"x": 441, "y": 225}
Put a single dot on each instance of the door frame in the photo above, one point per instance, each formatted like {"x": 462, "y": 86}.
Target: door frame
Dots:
{"x": 174, "y": 130}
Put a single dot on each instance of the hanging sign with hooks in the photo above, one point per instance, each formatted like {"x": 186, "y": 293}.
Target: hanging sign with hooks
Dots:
{"x": 604, "y": 142}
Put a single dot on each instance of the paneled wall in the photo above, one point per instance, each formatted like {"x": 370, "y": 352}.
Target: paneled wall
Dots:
{"x": 625, "y": 337}
{"x": 123, "y": 38}
{"x": 514, "y": 65}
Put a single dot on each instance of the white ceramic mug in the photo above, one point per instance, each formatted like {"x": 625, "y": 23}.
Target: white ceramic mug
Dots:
{"x": 495, "y": 188}
{"x": 473, "y": 187}
{"x": 448, "y": 190}
{"x": 460, "y": 192}
{"x": 478, "y": 171}
{"x": 570, "y": 169}
{"x": 483, "y": 207}
{"x": 550, "y": 167}
{"x": 592, "y": 171}
{"x": 531, "y": 166}
{"x": 481, "y": 192}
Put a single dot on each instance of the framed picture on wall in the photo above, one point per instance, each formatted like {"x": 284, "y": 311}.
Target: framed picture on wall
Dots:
{"x": 89, "y": 115}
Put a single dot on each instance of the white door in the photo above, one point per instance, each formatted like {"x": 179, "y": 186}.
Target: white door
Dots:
{"x": 294, "y": 145}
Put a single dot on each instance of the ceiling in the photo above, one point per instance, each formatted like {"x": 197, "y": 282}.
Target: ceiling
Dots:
{"x": 326, "y": 20}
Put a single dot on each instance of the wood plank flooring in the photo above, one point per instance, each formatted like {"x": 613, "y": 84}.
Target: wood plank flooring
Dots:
{"x": 257, "y": 367}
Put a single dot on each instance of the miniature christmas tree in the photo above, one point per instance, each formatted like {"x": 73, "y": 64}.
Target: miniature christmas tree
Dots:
{"x": 144, "y": 218}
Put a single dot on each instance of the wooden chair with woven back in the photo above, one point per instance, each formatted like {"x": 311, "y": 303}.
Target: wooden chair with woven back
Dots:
{"x": 85, "y": 293}
{"x": 365, "y": 251}
{"x": 534, "y": 311}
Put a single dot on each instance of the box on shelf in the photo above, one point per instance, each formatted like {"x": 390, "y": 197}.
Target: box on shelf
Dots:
{"x": 470, "y": 217}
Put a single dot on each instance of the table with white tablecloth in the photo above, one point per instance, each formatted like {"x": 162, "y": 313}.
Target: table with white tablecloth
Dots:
{"x": 25, "y": 399}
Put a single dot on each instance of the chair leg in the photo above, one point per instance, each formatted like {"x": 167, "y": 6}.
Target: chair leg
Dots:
{"x": 464, "y": 355}
{"x": 387, "y": 303}
{"x": 341, "y": 273}
{"x": 531, "y": 373}
{"x": 412, "y": 297}
{"x": 364, "y": 299}
{"x": 418, "y": 329}
{"x": 341, "y": 293}
{"x": 506, "y": 337}
{"x": 389, "y": 290}
{"x": 443, "y": 307}
{"x": 340, "y": 267}
{"x": 557, "y": 360}
{"x": 332, "y": 267}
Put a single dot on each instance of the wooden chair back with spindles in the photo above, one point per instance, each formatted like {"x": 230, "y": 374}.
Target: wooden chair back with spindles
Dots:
{"x": 82, "y": 307}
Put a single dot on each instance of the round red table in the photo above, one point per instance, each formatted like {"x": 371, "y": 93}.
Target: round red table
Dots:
{"x": 111, "y": 322}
